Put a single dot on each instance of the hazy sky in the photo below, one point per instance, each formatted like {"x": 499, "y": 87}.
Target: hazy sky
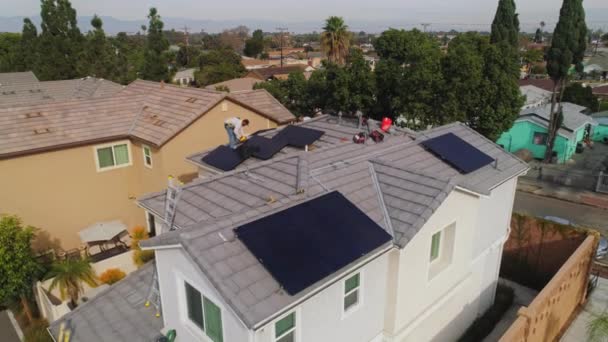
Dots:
{"x": 410, "y": 11}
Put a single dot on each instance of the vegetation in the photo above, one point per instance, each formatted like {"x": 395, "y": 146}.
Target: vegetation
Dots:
{"x": 156, "y": 63}
{"x": 68, "y": 275}
{"x": 111, "y": 276}
{"x": 597, "y": 329}
{"x": 218, "y": 66}
{"x": 505, "y": 27}
{"x": 583, "y": 96}
{"x": 484, "y": 325}
{"x": 140, "y": 257}
{"x": 18, "y": 267}
{"x": 567, "y": 48}
{"x": 335, "y": 40}
{"x": 254, "y": 46}
{"x": 37, "y": 332}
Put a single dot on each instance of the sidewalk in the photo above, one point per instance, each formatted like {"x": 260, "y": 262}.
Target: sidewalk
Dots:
{"x": 563, "y": 192}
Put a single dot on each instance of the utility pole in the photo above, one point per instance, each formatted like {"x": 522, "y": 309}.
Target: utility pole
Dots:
{"x": 424, "y": 26}
{"x": 281, "y": 30}
{"x": 186, "y": 28}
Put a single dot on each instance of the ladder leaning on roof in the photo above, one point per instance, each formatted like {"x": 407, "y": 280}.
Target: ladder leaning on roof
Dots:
{"x": 173, "y": 193}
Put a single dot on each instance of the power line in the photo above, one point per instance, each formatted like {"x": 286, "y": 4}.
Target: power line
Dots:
{"x": 281, "y": 30}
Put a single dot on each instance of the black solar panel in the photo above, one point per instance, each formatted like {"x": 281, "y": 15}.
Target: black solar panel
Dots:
{"x": 224, "y": 158}
{"x": 265, "y": 148}
{"x": 303, "y": 244}
{"x": 458, "y": 153}
{"x": 299, "y": 136}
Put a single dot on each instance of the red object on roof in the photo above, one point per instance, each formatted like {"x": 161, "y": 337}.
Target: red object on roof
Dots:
{"x": 386, "y": 124}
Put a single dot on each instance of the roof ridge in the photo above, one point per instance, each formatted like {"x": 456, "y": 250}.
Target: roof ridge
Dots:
{"x": 413, "y": 171}
{"x": 385, "y": 214}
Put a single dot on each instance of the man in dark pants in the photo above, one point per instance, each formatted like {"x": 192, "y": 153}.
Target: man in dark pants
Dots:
{"x": 234, "y": 128}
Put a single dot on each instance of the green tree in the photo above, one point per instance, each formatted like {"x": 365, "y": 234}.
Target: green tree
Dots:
{"x": 335, "y": 39}
{"x": 60, "y": 42}
{"x": 538, "y": 36}
{"x": 408, "y": 77}
{"x": 156, "y": 65}
{"x": 216, "y": 73}
{"x": 69, "y": 275}
{"x": 188, "y": 56}
{"x": 568, "y": 47}
{"x": 582, "y": 96}
{"x": 98, "y": 59}
{"x": 9, "y": 52}
{"x": 361, "y": 84}
{"x": 254, "y": 46}
{"x": 505, "y": 27}
{"x": 129, "y": 56}
{"x": 18, "y": 267}
{"x": 28, "y": 46}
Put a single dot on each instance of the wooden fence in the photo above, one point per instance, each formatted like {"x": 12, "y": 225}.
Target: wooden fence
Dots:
{"x": 549, "y": 314}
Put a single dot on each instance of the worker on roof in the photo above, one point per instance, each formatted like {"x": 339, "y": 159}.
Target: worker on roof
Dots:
{"x": 234, "y": 128}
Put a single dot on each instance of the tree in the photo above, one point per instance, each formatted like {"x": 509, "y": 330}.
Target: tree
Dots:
{"x": 188, "y": 56}
{"x": 408, "y": 77}
{"x": 583, "y": 96}
{"x": 335, "y": 39}
{"x": 98, "y": 59}
{"x": 567, "y": 48}
{"x": 129, "y": 56}
{"x": 538, "y": 36}
{"x": 9, "y": 52}
{"x": 69, "y": 275}
{"x": 505, "y": 27}
{"x": 18, "y": 267}
{"x": 60, "y": 42}
{"x": 218, "y": 66}
{"x": 155, "y": 67}
{"x": 361, "y": 84}
{"x": 254, "y": 46}
{"x": 28, "y": 46}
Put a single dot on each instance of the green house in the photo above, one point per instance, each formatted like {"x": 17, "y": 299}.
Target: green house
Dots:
{"x": 600, "y": 132}
{"x": 530, "y": 131}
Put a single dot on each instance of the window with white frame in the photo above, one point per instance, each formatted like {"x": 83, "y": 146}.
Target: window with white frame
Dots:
{"x": 147, "y": 155}
{"x": 441, "y": 249}
{"x": 112, "y": 156}
{"x": 352, "y": 292}
{"x": 204, "y": 314}
{"x": 285, "y": 329}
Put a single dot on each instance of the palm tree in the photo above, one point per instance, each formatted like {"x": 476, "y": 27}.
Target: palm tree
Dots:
{"x": 597, "y": 329}
{"x": 335, "y": 39}
{"x": 69, "y": 276}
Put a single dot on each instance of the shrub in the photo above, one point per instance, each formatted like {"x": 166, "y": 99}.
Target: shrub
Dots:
{"x": 140, "y": 257}
{"x": 111, "y": 276}
{"x": 139, "y": 233}
{"x": 484, "y": 325}
{"x": 37, "y": 332}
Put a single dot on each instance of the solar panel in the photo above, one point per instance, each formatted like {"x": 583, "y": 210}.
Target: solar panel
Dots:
{"x": 303, "y": 244}
{"x": 265, "y": 147}
{"x": 458, "y": 153}
{"x": 299, "y": 136}
{"x": 224, "y": 158}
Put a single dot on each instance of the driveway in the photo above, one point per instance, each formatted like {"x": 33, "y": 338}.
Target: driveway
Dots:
{"x": 7, "y": 329}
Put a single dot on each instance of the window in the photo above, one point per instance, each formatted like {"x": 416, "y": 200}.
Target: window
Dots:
{"x": 151, "y": 219}
{"x": 147, "y": 156}
{"x": 351, "y": 292}
{"x": 112, "y": 156}
{"x": 285, "y": 329}
{"x": 435, "y": 244}
{"x": 204, "y": 314}
{"x": 540, "y": 138}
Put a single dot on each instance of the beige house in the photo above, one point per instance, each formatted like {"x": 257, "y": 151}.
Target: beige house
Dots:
{"x": 69, "y": 164}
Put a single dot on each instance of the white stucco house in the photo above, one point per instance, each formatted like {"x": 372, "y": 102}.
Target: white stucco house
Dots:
{"x": 406, "y": 243}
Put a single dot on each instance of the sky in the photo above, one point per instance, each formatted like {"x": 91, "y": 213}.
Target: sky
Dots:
{"x": 409, "y": 12}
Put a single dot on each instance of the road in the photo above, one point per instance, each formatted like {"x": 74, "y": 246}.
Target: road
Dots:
{"x": 7, "y": 332}
{"x": 579, "y": 214}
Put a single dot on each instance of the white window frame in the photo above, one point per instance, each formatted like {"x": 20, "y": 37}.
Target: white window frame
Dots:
{"x": 143, "y": 152}
{"x": 443, "y": 261}
{"x": 156, "y": 225}
{"x": 349, "y": 311}
{"x": 441, "y": 236}
{"x": 296, "y": 329}
{"x": 194, "y": 329}
{"x": 108, "y": 168}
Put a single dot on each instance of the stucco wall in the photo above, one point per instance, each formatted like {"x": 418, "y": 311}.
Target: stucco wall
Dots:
{"x": 521, "y": 136}
{"x": 61, "y": 192}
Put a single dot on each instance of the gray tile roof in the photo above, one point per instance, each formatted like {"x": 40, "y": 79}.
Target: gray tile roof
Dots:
{"x": 574, "y": 118}
{"x": 397, "y": 183}
{"x": 145, "y": 110}
{"x": 117, "y": 314}
{"x": 535, "y": 94}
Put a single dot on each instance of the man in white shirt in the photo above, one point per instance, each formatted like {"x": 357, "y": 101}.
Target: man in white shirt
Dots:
{"x": 234, "y": 128}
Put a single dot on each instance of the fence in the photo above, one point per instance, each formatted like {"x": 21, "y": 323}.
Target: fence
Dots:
{"x": 602, "y": 183}
{"x": 548, "y": 315}
{"x": 580, "y": 179}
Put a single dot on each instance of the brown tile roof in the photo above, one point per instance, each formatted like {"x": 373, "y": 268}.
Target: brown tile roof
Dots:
{"x": 237, "y": 84}
{"x": 143, "y": 110}
{"x": 254, "y": 62}
{"x": 546, "y": 84}
{"x": 267, "y": 73}
{"x": 601, "y": 90}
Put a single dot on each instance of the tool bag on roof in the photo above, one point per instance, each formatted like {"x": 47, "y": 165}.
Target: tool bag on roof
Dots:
{"x": 359, "y": 138}
{"x": 376, "y": 136}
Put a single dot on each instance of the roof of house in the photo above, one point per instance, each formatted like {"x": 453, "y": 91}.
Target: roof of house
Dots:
{"x": 237, "y": 84}
{"x": 270, "y": 72}
{"x": 252, "y": 62}
{"x": 25, "y": 89}
{"x": 534, "y": 94}
{"x": 573, "y": 117}
{"x": 600, "y": 60}
{"x": 186, "y": 73}
{"x": 397, "y": 183}
{"x": 144, "y": 110}
{"x": 601, "y": 90}
{"x": 546, "y": 84}
{"x": 117, "y": 314}
{"x": 14, "y": 78}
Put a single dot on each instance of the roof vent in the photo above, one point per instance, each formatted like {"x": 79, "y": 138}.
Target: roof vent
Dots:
{"x": 191, "y": 100}
{"x": 33, "y": 115}
{"x": 42, "y": 131}
{"x": 12, "y": 92}
{"x": 159, "y": 122}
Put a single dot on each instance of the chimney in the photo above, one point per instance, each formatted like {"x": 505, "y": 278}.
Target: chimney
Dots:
{"x": 162, "y": 84}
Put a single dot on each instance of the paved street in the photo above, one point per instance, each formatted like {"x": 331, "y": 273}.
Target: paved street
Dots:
{"x": 577, "y": 213}
{"x": 8, "y": 333}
